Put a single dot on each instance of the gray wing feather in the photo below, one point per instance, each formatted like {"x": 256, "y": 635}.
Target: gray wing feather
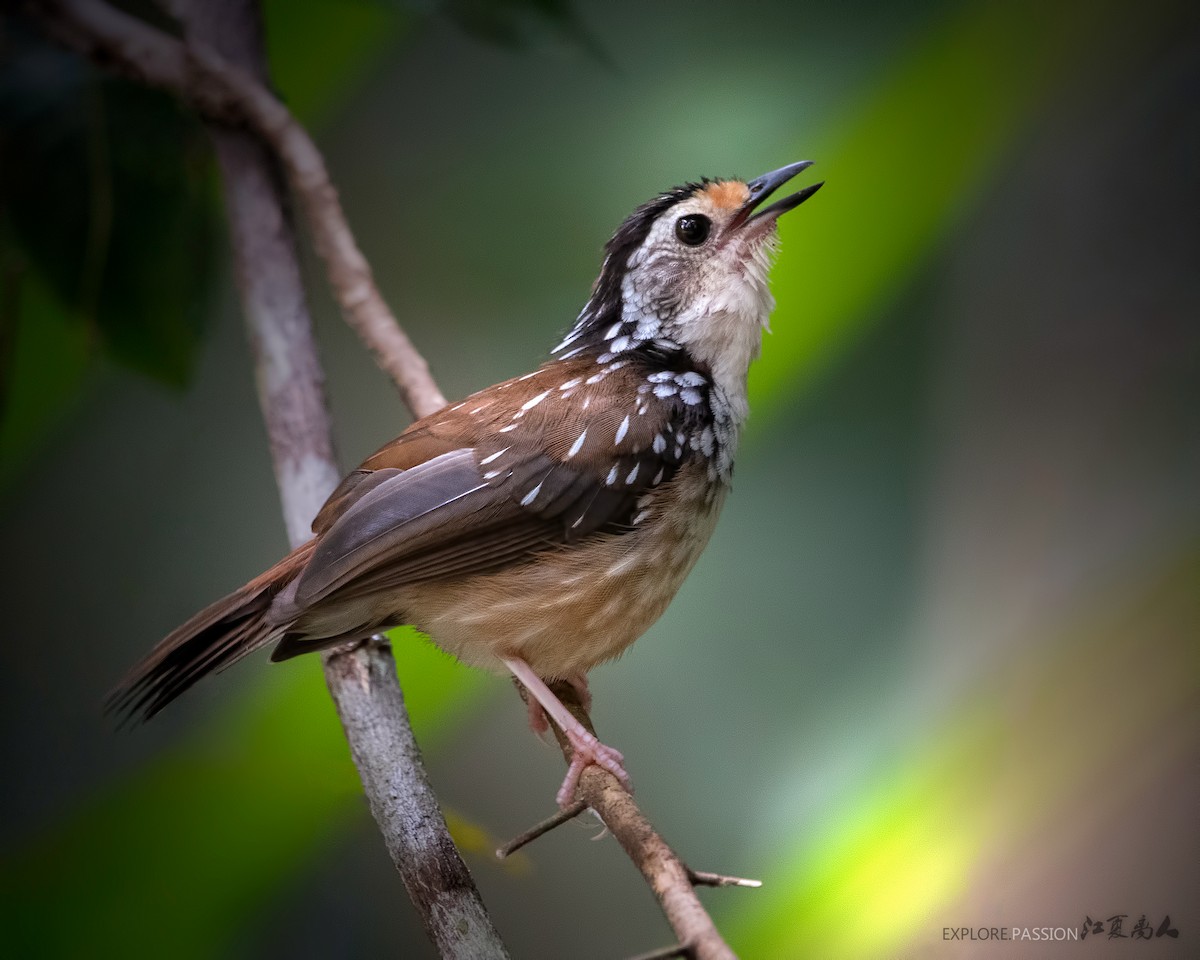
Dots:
{"x": 394, "y": 515}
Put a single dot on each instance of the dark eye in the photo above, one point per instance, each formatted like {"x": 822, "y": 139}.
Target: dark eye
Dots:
{"x": 693, "y": 229}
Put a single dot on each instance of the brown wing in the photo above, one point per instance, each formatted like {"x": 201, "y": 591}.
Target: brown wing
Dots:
{"x": 513, "y": 470}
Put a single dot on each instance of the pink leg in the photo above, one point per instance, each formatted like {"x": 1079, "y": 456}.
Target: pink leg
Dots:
{"x": 539, "y": 723}
{"x": 586, "y": 748}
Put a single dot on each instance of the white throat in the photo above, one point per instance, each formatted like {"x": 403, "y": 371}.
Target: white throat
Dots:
{"x": 723, "y": 327}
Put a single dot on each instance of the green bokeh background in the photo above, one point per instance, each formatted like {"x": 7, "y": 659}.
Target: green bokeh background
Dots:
{"x": 939, "y": 666}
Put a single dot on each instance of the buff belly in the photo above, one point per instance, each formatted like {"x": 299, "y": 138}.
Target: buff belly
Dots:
{"x": 578, "y": 606}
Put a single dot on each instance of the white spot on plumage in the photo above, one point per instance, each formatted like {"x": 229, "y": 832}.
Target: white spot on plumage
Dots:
{"x": 640, "y": 516}
{"x": 648, "y": 328}
{"x": 622, "y": 430}
{"x": 620, "y": 344}
{"x": 527, "y": 376}
{"x": 511, "y": 426}
{"x": 492, "y": 474}
{"x": 614, "y": 330}
{"x": 596, "y": 377}
{"x": 612, "y": 476}
{"x": 657, "y": 478}
{"x": 629, "y": 560}
{"x": 577, "y": 445}
{"x": 571, "y": 384}
{"x": 488, "y": 459}
{"x": 531, "y": 496}
{"x": 690, "y": 396}
{"x": 534, "y": 401}
{"x": 659, "y": 444}
{"x": 664, "y": 390}
{"x": 662, "y": 376}
{"x": 632, "y": 474}
{"x": 570, "y": 337}
{"x": 690, "y": 378}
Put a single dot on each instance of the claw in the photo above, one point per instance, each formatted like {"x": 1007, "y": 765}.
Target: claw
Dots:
{"x": 587, "y": 750}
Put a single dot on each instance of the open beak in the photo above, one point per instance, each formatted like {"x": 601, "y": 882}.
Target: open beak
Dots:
{"x": 764, "y": 186}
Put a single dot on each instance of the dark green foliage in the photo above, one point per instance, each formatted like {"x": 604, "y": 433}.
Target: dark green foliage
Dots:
{"x": 515, "y": 23}
{"x": 107, "y": 198}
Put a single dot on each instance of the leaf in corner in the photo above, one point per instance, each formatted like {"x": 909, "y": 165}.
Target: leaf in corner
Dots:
{"x": 109, "y": 197}
{"x": 516, "y": 23}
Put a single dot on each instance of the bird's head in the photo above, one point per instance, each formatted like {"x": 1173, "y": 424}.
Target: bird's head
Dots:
{"x": 687, "y": 271}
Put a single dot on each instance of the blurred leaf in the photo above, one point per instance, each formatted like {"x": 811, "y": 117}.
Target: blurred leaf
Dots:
{"x": 47, "y": 363}
{"x": 518, "y": 23}
{"x": 507, "y": 21}
{"x": 64, "y": 130}
{"x": 176, "y": 859}
{"x": 473, "y": 839}
{"x": 107, "y": 195}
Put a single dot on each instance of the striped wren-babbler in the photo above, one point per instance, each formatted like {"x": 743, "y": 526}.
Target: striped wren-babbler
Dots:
{"x": 543, "y": 524}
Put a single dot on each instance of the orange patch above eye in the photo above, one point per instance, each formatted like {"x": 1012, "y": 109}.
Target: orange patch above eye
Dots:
{"x": 729, "y": 194}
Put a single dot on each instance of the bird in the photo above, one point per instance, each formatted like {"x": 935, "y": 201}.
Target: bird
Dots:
{"x": 541, "y": 525}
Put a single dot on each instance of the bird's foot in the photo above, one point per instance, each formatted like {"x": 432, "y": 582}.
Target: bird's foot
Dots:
{"x": 587, "y": 750}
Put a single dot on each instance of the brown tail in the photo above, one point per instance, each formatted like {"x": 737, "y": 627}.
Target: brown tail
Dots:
{"x": 217, "y": 636}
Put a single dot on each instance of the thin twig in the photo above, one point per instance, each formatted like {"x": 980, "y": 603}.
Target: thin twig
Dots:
{"x": 538, "y": 829}
{"x": 702, "y": 878}
{"x": 668, "y": 876}
{"x": 225, "y": 93}
{"x": 678, "y": 950}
